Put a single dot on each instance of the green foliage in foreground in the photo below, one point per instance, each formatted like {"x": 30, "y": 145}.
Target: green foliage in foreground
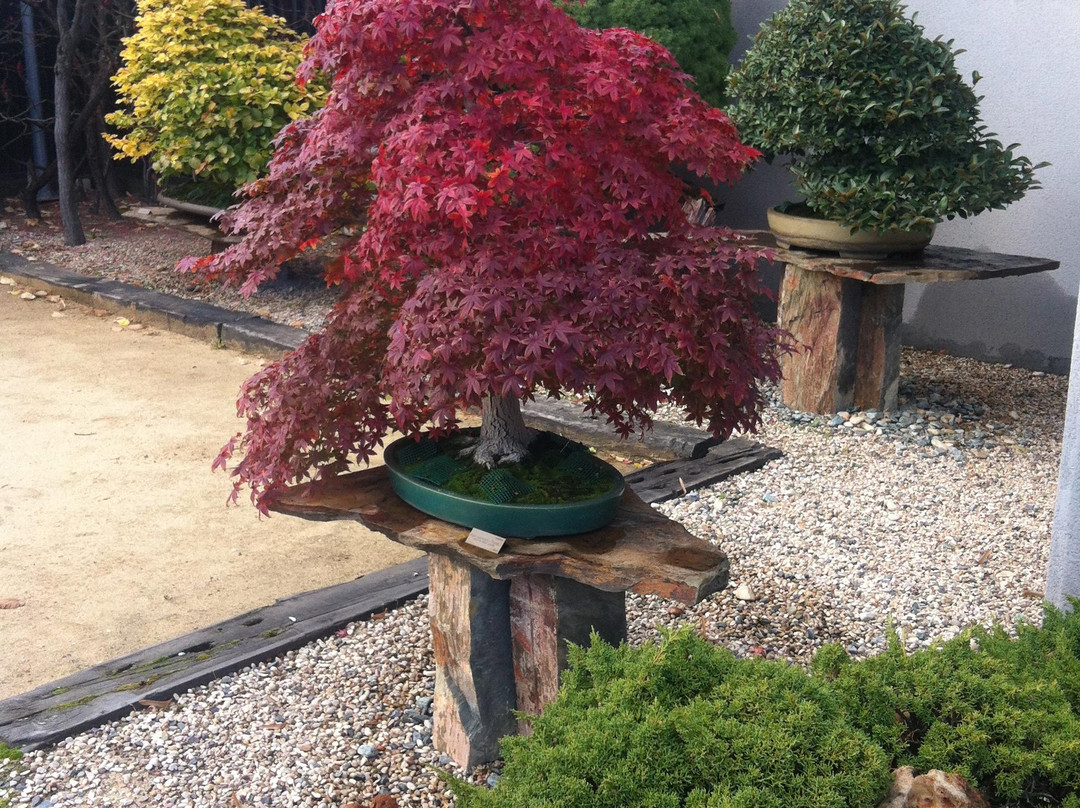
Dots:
{"x": 686, "y": 725}
{"x": 1003, "y": 712}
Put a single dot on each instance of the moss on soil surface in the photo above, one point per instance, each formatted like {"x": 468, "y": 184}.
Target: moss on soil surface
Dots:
{"x": 76, "y": 703}
{"x": 549, "y": 484}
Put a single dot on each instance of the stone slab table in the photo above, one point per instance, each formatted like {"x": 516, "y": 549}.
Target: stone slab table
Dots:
{"x": 846, "y": 314}
{"x": 500, "y": 623}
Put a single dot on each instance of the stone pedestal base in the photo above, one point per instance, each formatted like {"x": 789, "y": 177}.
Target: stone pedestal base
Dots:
{"x": 546, "y": 613}
{"x": 501, "y": 646}
{"x": 849, "y": 342}
{"x": 474, "y": 669}
{"x": 500, "y": 622}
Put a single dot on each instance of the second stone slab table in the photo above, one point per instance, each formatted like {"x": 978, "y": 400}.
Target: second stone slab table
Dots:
{"x": 846, "y": 314}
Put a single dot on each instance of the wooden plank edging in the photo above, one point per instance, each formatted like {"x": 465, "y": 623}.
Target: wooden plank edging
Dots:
{"x": 112, "y": 689}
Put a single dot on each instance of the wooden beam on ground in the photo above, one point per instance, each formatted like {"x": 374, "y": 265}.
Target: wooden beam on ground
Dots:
{"x": 665, "y": 441}
{"x": 113, "y": 689}
{"x": 666, "y": 481}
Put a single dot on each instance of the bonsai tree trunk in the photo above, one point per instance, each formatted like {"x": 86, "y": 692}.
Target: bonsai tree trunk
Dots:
{"x": 504, "y": 438}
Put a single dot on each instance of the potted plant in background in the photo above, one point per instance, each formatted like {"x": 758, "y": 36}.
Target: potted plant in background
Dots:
{"x": 699, "y": 33}
{"x": 524, "y": 236}
{"x": 204, "y": 88}
{"x": 883, "y": 133}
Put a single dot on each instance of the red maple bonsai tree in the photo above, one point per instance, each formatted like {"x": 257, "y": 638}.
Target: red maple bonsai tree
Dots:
{"x": 523, "y": 234}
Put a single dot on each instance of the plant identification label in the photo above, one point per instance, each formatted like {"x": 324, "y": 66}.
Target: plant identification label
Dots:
{"x": 485, "y": 541}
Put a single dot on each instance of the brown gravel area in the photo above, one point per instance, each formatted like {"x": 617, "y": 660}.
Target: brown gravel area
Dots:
{"x": 114, "y": 531}
{"x": 143, "y": 248}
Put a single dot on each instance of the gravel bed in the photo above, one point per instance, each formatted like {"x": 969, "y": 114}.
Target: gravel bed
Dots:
{"x": 335, "y": 722}
{"x": 927, "y": 519}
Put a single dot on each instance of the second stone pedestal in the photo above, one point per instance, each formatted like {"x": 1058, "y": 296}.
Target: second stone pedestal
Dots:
{"x": 846, "y": 314}
{"x": 849, "y": 335}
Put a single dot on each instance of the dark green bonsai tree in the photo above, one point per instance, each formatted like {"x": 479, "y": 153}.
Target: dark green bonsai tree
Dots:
{"x": 882, "y": 129}
{"x": 699, "y": 33}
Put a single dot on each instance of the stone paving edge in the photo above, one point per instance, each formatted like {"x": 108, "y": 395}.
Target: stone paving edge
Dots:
{"x": 191, "y": 318}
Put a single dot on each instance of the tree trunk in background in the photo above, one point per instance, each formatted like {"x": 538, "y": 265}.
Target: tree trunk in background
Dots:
{"x": 107, "y": 26}
{"x": 87, "y": 35}
{"x": 65, "y": 159}
{"x": 34, "y": 183}
{"x": 504, "y": 438}
{"x": 100, "y": 163}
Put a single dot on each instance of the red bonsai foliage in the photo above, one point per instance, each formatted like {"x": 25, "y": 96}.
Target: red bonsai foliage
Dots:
{"x": 524, "y": 234}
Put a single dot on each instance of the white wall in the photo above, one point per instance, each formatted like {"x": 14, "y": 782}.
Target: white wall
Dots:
{"x": 1027, "y": 55}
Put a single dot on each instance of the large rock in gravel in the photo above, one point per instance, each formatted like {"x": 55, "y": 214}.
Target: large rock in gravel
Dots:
{"x": 935, "y": 789}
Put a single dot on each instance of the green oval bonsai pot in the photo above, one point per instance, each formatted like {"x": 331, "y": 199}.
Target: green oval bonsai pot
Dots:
{"x": 504, "y": 519}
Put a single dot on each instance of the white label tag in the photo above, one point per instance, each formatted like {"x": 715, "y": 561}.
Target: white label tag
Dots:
{"x": 485, "y": 541}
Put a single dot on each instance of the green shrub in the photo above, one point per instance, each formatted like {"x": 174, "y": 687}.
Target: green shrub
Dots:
{"x": 686, "y": 724}
{"x": 882, "y": 129}
{"x": 699, "y": 33}
{"x": 205, "y": 87}
{"x": 999, "y": 711}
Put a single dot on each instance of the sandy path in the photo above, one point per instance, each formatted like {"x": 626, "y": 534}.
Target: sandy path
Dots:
{"x": 113, "y": 530}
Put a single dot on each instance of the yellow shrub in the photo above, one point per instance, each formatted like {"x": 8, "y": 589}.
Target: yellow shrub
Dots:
{"x": 204, "y": 88}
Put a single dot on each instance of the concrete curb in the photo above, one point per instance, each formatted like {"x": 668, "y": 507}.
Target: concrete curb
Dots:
{"x": 191, "y": 318}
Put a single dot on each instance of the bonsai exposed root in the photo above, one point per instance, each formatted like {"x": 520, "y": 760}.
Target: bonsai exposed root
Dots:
{"x": 504, "y": 438}
{"x": 492, "y": 455}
